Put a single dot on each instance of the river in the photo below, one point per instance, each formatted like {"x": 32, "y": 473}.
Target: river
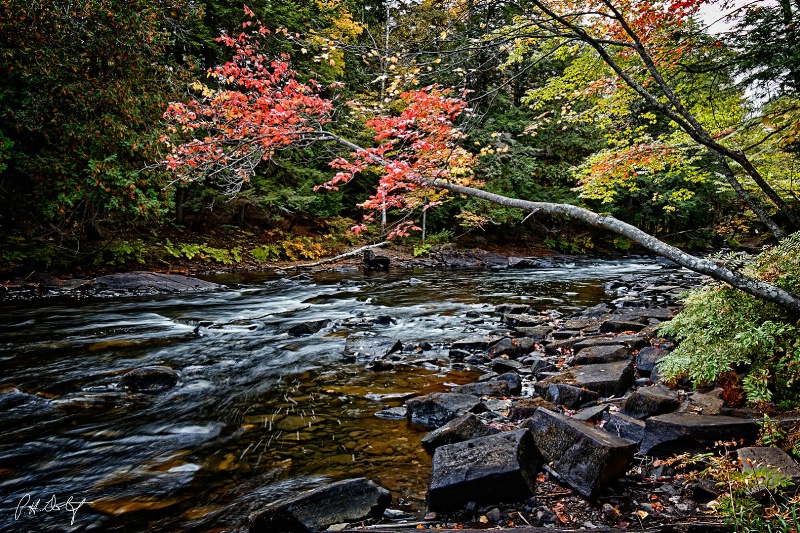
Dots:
{"x": 257, "y": 414}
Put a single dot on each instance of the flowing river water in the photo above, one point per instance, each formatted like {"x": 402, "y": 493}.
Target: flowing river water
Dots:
{"x": 257, "y": 414}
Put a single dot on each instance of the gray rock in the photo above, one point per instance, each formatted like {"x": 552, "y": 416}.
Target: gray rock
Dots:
{"x": 484, "y": 388}
{"x": 524, "y": 262}
{"x": 686, "y": 432}
{"x": 613, "y": 325}
{"x": 438, "y": 408}
{"x": 610, "y": 379}
{"x": 392, "y": 413}
{"x": 773, "y": 458}
{"x": 586, "y": 458}
{"x": 502, "y": 365}
{"x": 149, "y": 282}
{"x": 149, "y": 379}
{"x": 708, "y": 403}
{"x": 308, "y": 328}
{"x": 476, "y": 342}
{"x": 350, "y": 500}
{"x": 591, "y": 414}
{"x": 579, "y": 323}
{"x": 602, "y": 354}
{"x": 512, "y": 309}
{"x": 525, "y": 407}
{"x": 512, "y": 347}
{"x": 647, "y": 358}
{"x": 625, "y": 426}
{"x": 567, "y": 395}
{"x": 524, "y": 320}
{"x": 513, "y": 380}
{"x": 362, "y": 345}
{"x": 563, "y": 334}
{"x": 534, "y": 332}
{"x": 634, "y": 342}
{"x": 460, "y": 429}
{"x": 488, "y": 470}
{"x": 558, "y": 347}
{"x": 649, "y": 401}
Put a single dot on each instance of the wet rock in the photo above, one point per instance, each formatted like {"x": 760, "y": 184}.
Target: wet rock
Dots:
{"x": 590, "y": 414}
{"x": 511, "y": 347}
{"x": 642, "y": 314}
{"x": 363, "y": 345}
{"x": 513, "y": 380}
{"x": 578, "y": 323}
{"x": 512, "y": 309}
{"x": 602, "y": 354}
{"x": 649, "y": 401}
{"x": 308, "y": 328}
{"x": 476, "y": 342}
{"x": 524, "y": 320}
{"x": 611, "y": 379}
{"x": 460, "y": 429}
{"x": 485, "y": 389}
{"x": 647, "y": 358}
{"x": 686, "y": 432}
{"x": 625, "y": 426}
{"x": 773, "y": 458}
{"x": 567, "y": 395}
{"x": 393, "y": 413}
{"x": 596, "y": 311}
{"x": 618, "y": 326}
{"x": 539, "y": 365}
{"x": 525, "y": 407}
{"x": 470, "y": 259}
{"x": 458, "y": 355}
{"x": 350, "y": 500}
{"x": 563, "y": 334}
{"x": 149, "y": 379}
{"x": 149, "y": 282}
{"x": 477, "y": 359}
{"x": 524, "y": 262}
{"x": 486, "y": 470}
{"x": 502, "y": 365}
{"x": 586, "y": 458}
{"x": 634, "y": 342}
{"x": 438, "y": 408}
{"x": 379, "y": 365}
{"x": 561, "y": 347}
{"x": 536, "y": 333}
{"x": 376, "y": 262}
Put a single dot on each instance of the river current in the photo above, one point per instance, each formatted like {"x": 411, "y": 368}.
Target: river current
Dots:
{"x": 257, "y": 414}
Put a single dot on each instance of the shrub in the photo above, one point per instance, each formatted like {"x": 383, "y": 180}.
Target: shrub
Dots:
{"x": 722, "y": 329}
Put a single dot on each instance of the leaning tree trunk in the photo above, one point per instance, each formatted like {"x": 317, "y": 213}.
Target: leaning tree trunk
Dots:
{"x": 755, "y": 287}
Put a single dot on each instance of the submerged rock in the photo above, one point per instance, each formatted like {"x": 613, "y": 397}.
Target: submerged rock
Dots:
{"x": 438, "y": 408}
{"x": 149, "y": 379}
{"x": 362, "y": 345}
{"x": 346, "y": 501}
{"x": 486, "y": 470}
{"x": 461, "y": 429}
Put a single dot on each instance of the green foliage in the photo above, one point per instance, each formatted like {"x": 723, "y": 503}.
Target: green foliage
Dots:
{"x": 266, "y": 252}
{"x": 204, "y": 252}
{"x": 569, "y": 244}
{"x": 721, "y": 328}
{"x": 16, "y": 250}
{"x": 122, "y": 253}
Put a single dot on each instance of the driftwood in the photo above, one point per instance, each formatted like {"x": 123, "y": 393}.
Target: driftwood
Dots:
{"x": 340, "y": 256}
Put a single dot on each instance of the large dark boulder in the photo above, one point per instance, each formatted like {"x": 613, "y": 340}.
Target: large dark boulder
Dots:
{"x": 672, "y": 433}
{"x": 463, "y": 428}
{"x": 438, "y": 408}
{"x": 649, "y": 401}
{"x": 487, "y": 470}
{"x": 755, "y": 457}
{"x": 634, "y": 342}
{"x": 149, "y": 282}
{"x": 364, "y": 346}
{"x": 498, "y": 389}
{"x": 586, "y": 458}
{"x": 611, "y": 379}
{"x": 512, "y": 347}
{"x": 648, "y": 357}
{"x": 602, "y": 354}
{"x": 376, "y": 262}
{"x": 308, "y": 328}
{"x": 345, "y": 501}
{"x": 625, "y": 426}
{"x": 567, "y": 395}
{"x": 149, "y": 379}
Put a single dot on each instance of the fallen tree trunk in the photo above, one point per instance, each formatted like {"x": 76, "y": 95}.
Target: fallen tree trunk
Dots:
{"x": 757, "y": 288}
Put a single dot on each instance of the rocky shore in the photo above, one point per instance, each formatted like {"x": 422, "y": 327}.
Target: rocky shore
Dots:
{"x": 568, "y": 428}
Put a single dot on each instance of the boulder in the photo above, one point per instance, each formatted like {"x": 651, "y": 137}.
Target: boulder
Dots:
{"x": 593, "y": 413}
{"x": 567, "y": 395}
{"x": 308, "y": 328}
{"x": 634, "y": 342}
{"x": 647, "y": 358}
{"x": 618, "y": 326}
{"x": 438, "y": 408}
{"x": 363, "y": 346}
{"x": 649, "y": 401}
{"x": 512, "y": 309}
{"x": 625, "y": 426}
{"x": 512, "y": 347}
{"x": 562, "y": 346}
{"x": 392, "y": 413}
{"x": 524, "y": 262}
{"x": 502, "y": 365}
{"x": 484, "y": 388}
{"x": 513, "y": 380}
{"x": 563, "y": 334}
{"x": 487, "y": 470}
{"x": 524, "y": 320}
{"x": 610, "y": 379}
{"x": 707, "y": 403}
{"x": 376, "y": 262}
{"x": 579, "y": 323}
{"x": 610, "y": 353}
{"x": 149, "y": 379}
{"x": 476, "y": 342}
{"x": 534, "y": 332}
{"x": 460, "y": 429}
{"x": 585, "y": 457}
{"x": 773, "y": 458}
{"x": 525, "y": 407}
{"x": 672, "y": 433}
{"x": 350, "y": 500}
{"x": 149, "y": 282}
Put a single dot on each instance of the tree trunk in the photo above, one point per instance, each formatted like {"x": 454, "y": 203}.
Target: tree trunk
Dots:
{"x": 755, "y": 287}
